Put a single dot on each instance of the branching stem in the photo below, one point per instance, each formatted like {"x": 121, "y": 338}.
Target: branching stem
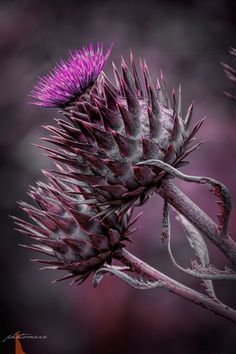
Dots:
{"x": 138, "y": 266}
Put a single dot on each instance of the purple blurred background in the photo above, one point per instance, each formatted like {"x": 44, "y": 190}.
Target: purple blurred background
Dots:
{"x": 187, "y": 40}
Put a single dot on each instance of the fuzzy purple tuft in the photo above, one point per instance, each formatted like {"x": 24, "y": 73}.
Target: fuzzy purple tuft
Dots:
{"x": 71, "y": 78}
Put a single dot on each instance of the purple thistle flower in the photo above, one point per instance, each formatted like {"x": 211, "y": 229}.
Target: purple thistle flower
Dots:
{"x": 70, "y": 78}
{"x": 118, "y": 145}
{"x": 115, "y": 130}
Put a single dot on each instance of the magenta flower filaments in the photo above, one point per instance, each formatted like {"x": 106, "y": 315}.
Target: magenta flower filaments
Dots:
{"x": 70, "y": 78}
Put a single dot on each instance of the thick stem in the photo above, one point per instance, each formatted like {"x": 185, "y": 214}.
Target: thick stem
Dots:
{"x": 198, "y": 218}
{"x": 135, "y": 264}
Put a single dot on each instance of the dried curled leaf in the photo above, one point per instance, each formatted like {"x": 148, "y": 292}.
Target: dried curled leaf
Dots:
{"x": 201, "y": 269}
{"x": 195, "y": 239}
{"x": 211, "y": 272}
{"x": 199, "y": 246}
{"x": 141, "y": 283}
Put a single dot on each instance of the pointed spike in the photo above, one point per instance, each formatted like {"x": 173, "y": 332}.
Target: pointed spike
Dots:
{"x": 103, "y": 138}
{"x": 136, "y": 77}
{"x": 125, "y": 207}
{"x": 152, "y": 95}
{"x": 160, "y": 95}
{"x": 30, "y": 228}
{"x": 132, "y": 124}
{"x": 49, "y": 268}
{"x": 27, "y": 233}
{"x": 127, "y": 146}
{"x": 72, "y": 131}
{"x": 179, "y": 107}
{"x": 132, "y": 100}
{"x": 118, "y": 79}
{"x": 84, "y": 127}
{"x": 85, "y": 147}
{"x": 79, "y": 115}
{"x": 46, "y": 261}
{"x": 169, "y": 153}
{"x": 41, "y": 218}
{"x": 189, "y": 115}
{"x": 128, "y": 79}
{"x": 150, "y": 149}
{"x": 153, "y": 101}
{"x": 164, "y": 91}
{"x": 62, "y": 144}
{"x": 174, "y": 103}
{"x": 146, "y": 75}
{"x": 52, "y": 151}
{"x": 90, "y": 179}
{"x": 55, "y": 130}
{"x": 103, "y": 214}
{"x": 195, "y": 130}
{"x": 110, "y": 98}
{"x": 111, "y": 119}
{"x": 154, "y": 124}
{"x": 64, "y": 223}
{"x": 176, "y": 129}
{"x": 93, "y": 114}
{"x": 110, "y": 85}
{"x": 95, "y": 161}
{"x": 188, "y": 151}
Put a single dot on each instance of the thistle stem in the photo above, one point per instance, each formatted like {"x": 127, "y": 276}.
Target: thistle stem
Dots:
{"x": 137, "y": 265}
{"x": 185, "y": 206}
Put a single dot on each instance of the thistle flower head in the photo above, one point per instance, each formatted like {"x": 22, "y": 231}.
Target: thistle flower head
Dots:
{"x": 63, "y": 227}
{"x": 115, "y": 129}
{"x": 70, "y": 78}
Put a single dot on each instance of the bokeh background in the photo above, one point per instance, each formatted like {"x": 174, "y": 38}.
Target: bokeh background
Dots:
{"x": 187, "y": 40}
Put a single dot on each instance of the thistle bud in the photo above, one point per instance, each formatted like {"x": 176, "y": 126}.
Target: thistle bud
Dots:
{"x": 64, "y": 227}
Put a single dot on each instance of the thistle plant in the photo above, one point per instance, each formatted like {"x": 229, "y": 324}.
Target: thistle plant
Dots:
{"x": 116, "y": 145}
